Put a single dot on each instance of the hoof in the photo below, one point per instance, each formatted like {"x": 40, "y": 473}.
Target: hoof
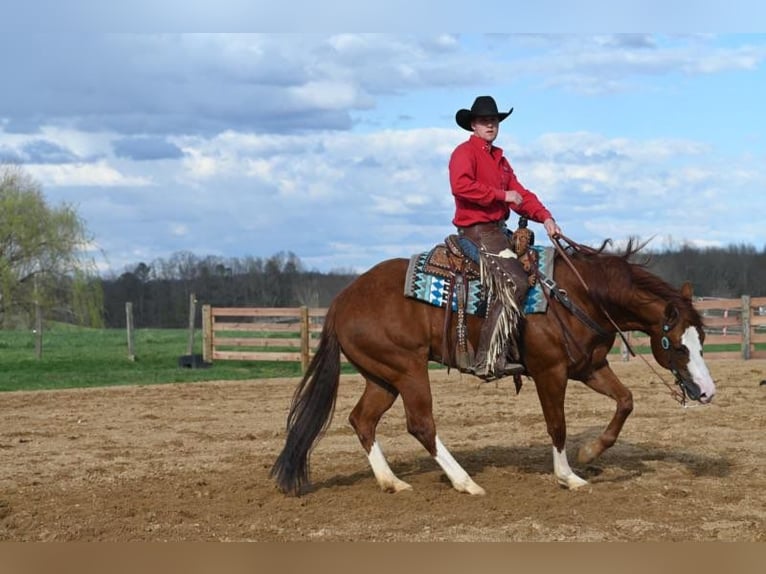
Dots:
{"x": 572, "y": 482}
{"x": 470, "y": 488}
{"x": 588, "y": 453}
{"x": 395, "y": 487}
{"x": 475, "y": 490}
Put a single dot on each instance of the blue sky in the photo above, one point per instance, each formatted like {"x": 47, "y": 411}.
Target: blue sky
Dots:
{"x": 335, "y": 146}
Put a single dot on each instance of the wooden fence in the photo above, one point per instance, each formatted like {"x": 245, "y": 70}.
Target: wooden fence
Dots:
{"x": 261, "y": 333}
{"x": 740, "y": 322}
{"x": 292, "y": 334}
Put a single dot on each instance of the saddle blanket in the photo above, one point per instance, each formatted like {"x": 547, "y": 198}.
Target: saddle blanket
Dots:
{"x": 434, "y": 289}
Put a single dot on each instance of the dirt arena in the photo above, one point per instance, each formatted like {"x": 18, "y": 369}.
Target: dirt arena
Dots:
{"x": 190, "y": 463}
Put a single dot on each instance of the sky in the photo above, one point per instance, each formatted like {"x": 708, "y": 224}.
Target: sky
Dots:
{"x": 335, "y": 146}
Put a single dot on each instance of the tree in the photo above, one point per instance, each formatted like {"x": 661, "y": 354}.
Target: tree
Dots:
{"x": 42, "y": 260}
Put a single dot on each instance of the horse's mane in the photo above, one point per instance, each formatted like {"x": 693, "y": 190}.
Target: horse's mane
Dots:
{"x": 623, "y": 272}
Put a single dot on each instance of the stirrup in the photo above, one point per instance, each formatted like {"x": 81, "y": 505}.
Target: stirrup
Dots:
{"x": 480, "y": 371}
{"x": 513, "y": 369}
{"x": 509, "y": 369}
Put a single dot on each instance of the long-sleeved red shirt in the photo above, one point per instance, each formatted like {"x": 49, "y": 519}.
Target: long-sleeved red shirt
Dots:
{"x": 479, "y": 175}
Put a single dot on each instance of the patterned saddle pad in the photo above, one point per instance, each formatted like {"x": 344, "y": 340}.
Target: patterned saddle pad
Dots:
{"x": 425, "y": 283}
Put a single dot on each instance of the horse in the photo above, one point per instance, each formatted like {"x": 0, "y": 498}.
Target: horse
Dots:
{"x": 390, "y": 339}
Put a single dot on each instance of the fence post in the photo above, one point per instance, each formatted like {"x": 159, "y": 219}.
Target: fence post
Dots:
{"x": 192, "y": 315}
{"x": 207, "y": 334}
{"x": 129, "y": 328}
{"x": 38, "y": 331}
{"x": 305, "y": 338}
{"x": 746, "y": 322}
{"x": 624, "y": 348}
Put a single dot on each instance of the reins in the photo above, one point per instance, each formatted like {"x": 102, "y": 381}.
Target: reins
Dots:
{"x": 679, "y": 396}
{"x": 590, "y": 251}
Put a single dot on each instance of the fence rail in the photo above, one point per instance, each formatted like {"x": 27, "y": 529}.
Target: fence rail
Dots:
{"x": 261, "y": 333}
{"x": 728, "y": 322}
{"x": 292, "y": 334}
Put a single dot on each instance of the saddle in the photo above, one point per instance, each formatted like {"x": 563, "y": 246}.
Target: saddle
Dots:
{"x": 458, "y": 259}
{"x": 457, "y": 255}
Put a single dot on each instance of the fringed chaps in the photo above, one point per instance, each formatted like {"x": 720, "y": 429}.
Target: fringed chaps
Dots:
{"x": 501, "y": 288}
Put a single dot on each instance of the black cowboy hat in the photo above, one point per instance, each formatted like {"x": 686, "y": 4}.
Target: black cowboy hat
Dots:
{"x": 482, "y": 106}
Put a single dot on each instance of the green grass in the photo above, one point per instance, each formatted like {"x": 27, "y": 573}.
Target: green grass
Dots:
{"x": 720, "y": 348}
{"x": 79, "y": 357}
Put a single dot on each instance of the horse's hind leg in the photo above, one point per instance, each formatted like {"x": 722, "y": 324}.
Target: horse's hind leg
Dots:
{"x": 604, "y": 381}
{"x": 375, "y": 401}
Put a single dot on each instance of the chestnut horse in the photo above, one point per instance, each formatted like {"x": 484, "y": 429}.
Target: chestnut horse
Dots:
{"x": 390, "y": 339}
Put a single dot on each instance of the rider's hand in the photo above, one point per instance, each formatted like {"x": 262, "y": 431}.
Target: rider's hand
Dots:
{"x": 551, "y": 227}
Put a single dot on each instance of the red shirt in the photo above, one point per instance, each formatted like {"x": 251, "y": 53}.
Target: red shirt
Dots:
{"x": 479, "y": 175}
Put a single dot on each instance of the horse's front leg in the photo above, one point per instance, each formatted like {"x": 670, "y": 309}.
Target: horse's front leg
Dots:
{"x": 551, "y": 389}
{"x": 604, "y": 381}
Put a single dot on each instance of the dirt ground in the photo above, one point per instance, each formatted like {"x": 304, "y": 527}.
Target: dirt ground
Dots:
{"x": 190, "y": 462}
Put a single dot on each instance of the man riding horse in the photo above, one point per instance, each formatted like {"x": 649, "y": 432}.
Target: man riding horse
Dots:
{"x": 486, "y": 189}
{"x": 391, "y": 338}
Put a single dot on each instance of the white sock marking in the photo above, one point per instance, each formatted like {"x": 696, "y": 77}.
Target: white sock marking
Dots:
{"x": 386, "y": 478}
{"x": 457, "y": 476}
{"x": 563, "y": 472}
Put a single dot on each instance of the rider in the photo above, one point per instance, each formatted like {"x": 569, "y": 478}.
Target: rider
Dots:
{"x": 485, "y": 190}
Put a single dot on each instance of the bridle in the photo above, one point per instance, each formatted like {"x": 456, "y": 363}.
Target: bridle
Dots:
{"x": 681, "y": 395}
{"x": 561, "y": 296}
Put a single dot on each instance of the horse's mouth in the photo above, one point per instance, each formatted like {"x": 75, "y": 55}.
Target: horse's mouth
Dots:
{"x": 705, "y": 400}
{"x": 694, "y": 392}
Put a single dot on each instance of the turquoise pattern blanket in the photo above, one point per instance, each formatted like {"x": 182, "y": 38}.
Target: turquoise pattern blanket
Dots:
{"x": 435, "y": 290}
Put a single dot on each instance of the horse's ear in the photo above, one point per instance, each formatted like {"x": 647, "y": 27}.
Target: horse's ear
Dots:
{"x": 687, "y": 291}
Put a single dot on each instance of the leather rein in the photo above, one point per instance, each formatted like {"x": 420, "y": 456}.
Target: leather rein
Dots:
{"x": 562, "y": 297}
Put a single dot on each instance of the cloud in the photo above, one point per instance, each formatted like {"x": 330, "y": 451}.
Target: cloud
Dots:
{"x": 203, "y": 84}
{"x": 35, "y": 150}
{"x": 144, "y": 148}
{"x": 593, "y": 65}
{"x": 83, "y": 174}
{"x": 239, "y": 145}
{"x": 206, "y": 83}
{"x": 42, "y": 151}
{"x": 350, "y": 199}
{"x": 10, "y": 155}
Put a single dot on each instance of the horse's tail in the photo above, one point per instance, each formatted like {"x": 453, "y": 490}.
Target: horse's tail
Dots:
{"x": 310, "y": 413}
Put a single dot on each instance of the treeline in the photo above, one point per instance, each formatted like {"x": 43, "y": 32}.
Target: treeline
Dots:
{"x": 160, "y": 291}
{"x": 728, "y": 272}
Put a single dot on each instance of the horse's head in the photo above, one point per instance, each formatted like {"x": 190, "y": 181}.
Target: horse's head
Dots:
{"x": 677, "y": 346}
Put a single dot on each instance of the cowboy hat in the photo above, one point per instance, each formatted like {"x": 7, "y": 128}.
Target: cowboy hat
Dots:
{"x": 482, "y": 106}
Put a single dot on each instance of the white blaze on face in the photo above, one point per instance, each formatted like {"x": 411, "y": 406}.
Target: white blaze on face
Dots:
{"x": 697, "y": 367}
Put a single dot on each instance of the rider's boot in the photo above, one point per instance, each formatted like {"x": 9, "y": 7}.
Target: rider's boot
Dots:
{"x": 504, "y": 366}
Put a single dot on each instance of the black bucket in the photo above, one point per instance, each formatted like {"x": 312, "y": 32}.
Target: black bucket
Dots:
{"x": 192, "y": 362}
